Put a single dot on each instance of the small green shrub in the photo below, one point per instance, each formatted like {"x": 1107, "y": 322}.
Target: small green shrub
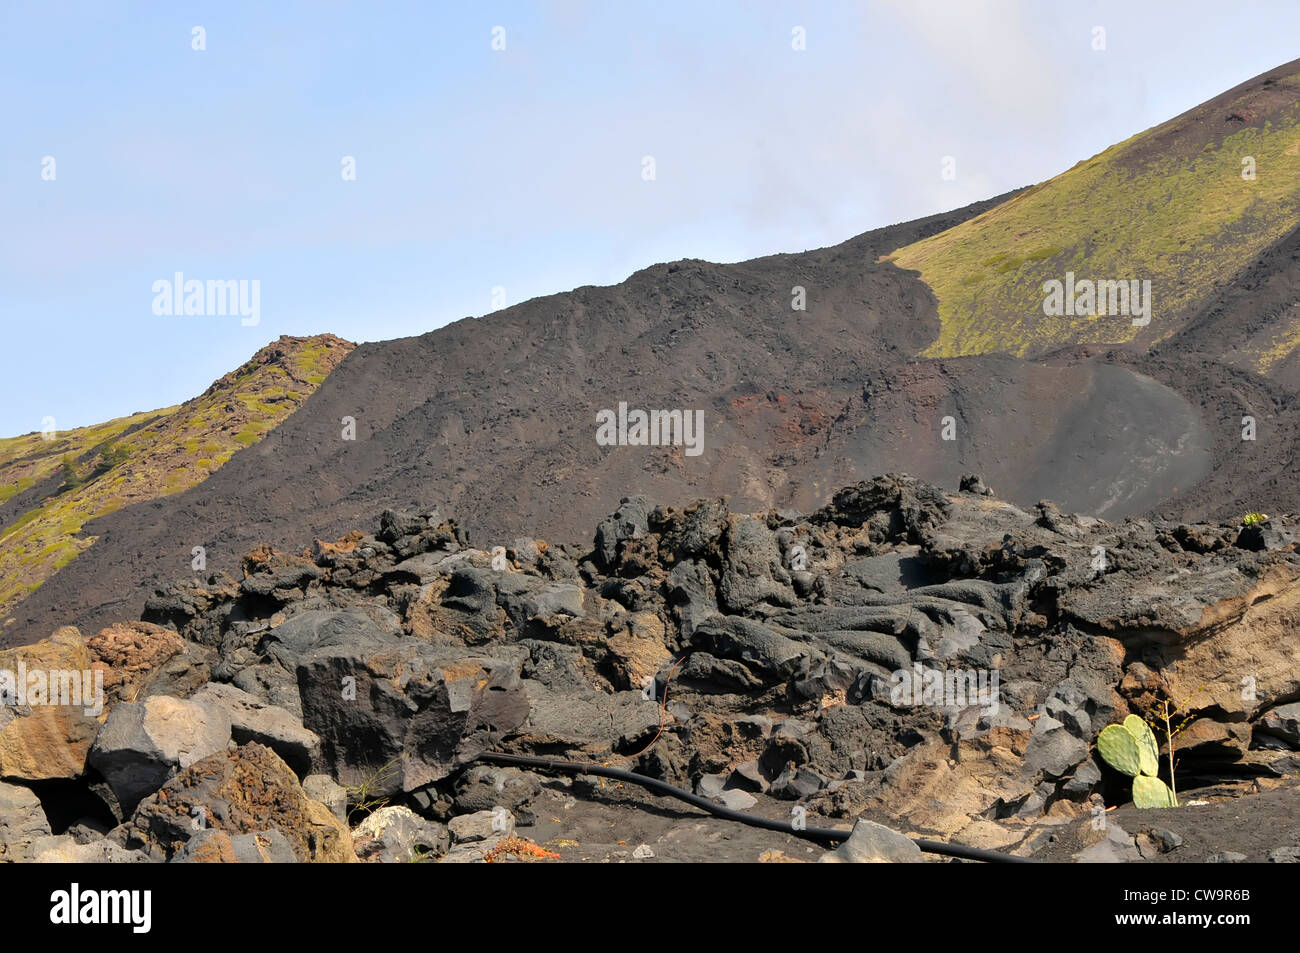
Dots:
{"x": 72, "y": 477}
{"x": 110, "y": 455}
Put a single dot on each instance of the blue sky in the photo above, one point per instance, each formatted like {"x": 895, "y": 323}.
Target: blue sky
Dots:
{"x": 518, "y": 168}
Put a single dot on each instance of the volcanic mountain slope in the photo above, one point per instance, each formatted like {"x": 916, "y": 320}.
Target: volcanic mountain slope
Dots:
{"x": 1187, "y": 205}
{"x": 53, "y": 484}
{"x": 495, "y": 419}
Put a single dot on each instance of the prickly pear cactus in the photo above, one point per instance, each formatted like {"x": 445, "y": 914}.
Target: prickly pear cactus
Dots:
{"x": 1148, "y": 750}
{"x": 1119, "y": 748}
{"x": 1152, "y": 792}
{"x": 1131, "y": 749}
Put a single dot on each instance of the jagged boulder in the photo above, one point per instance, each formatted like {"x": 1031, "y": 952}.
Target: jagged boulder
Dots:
{"x": 1282, "y": 723}
{"x": 253, "y": 720}
{"x": 586, "y": 720}
{"x": 262, "y": 659}
{"x": 211, "y": 846}
{"x": 410, "y": 534}
{"x": 324, "y": 628}
{"x": 397, "y": 835}
{"x": 483, "y": 787}
{"x": 276, "y": 576}
{"x": 638, "y": 654}
{"x": 613, "y": 535}
{"x": 895, "y": 508}
{"x": 51, "y": 697}
{"x": 397, "y": 718}
{"x": 22, "y": 823}
{"x": 767, "y": 653}
{"x": 194, "y": 607}
{"x": 482, "y": 826}
{"x": 752, "y": 569}
{"x": 323, "y": 788}
{"x": 246, "y": 790}
{"x": 133, "y": 655}
{"x": 144, "y": 743}
{"x": 872, "y": 843}
{"x": 691, "y": 595}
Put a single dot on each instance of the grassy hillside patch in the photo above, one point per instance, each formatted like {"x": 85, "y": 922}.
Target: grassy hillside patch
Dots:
{"x": 1185, "y": 220}
{"x": 146, "y": 456}
{"x": 31, "y": 458}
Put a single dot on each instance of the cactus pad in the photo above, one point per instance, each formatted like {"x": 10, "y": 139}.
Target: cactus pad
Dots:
{"x": 1148, "y": 750}
{"x": 1152, "y": 792}
{"x": 1119, "y": 748}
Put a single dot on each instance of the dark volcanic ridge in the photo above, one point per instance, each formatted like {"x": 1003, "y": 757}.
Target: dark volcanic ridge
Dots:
{"x": 794, "y": 403}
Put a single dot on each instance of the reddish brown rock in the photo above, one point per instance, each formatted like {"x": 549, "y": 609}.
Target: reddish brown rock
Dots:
{"x": 638, "y": 653}
{"x": 43, "y": 741}
{"x": 131, "y": 653}
{"x": 246, "y": 790}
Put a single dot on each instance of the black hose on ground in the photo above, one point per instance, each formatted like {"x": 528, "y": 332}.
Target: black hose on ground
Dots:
{"x": 822, "y": 835}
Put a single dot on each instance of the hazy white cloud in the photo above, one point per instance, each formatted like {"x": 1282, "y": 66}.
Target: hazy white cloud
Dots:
{"x": 988, "y": 50}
